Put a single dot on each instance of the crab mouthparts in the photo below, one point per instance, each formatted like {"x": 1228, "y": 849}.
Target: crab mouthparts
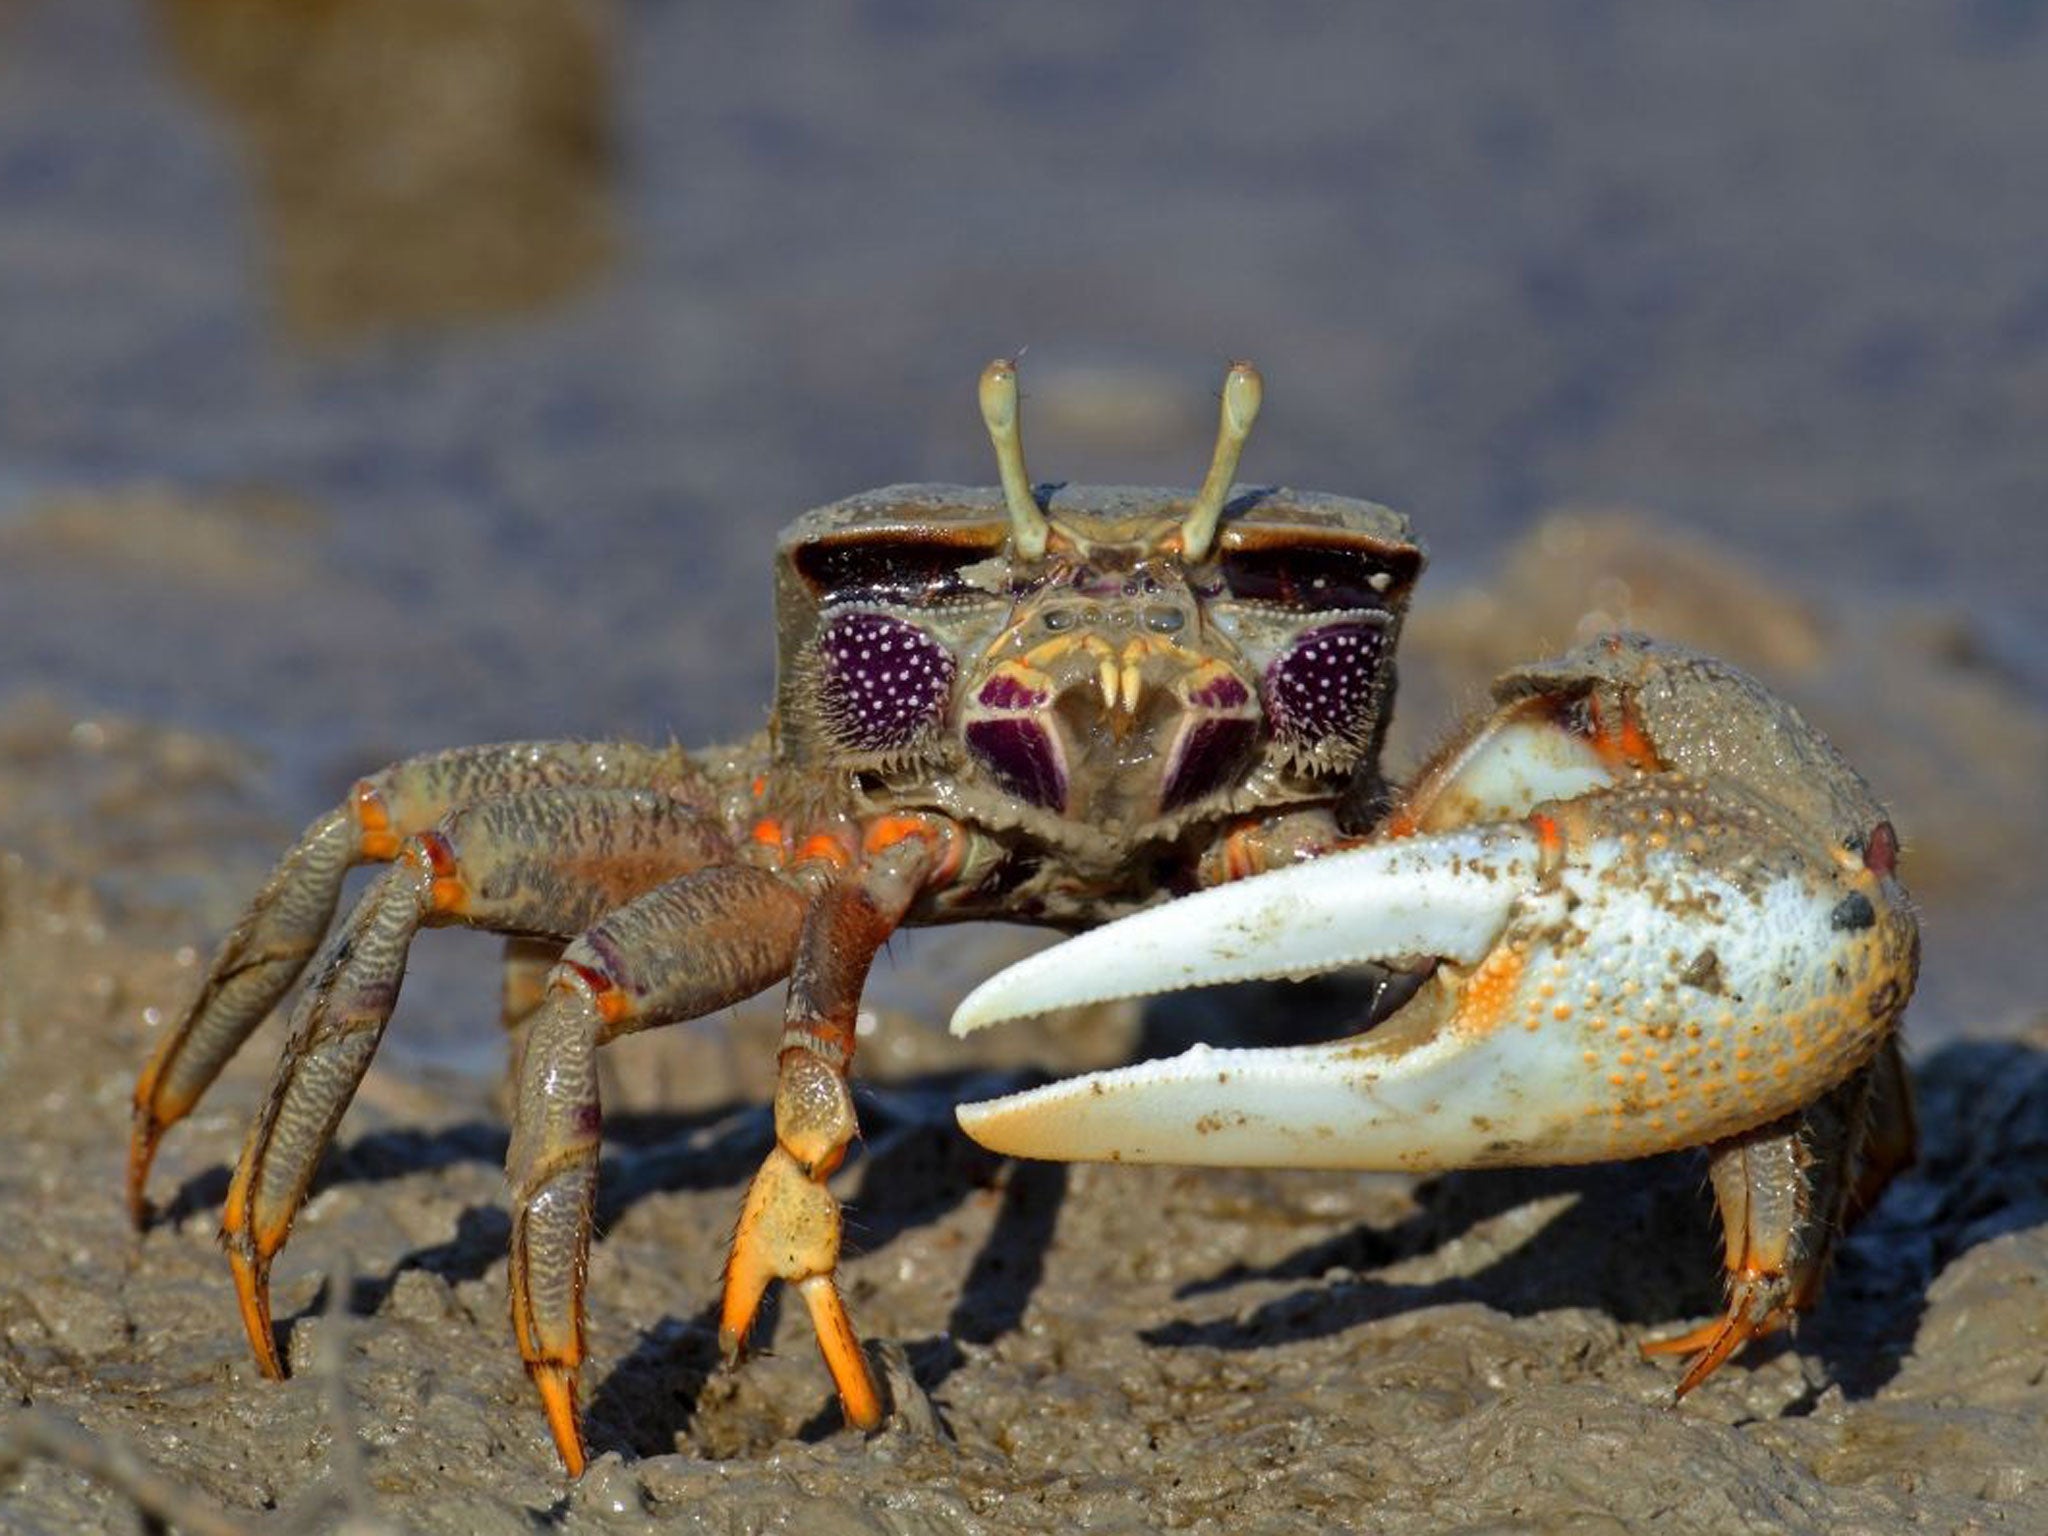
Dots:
{"x": 1111, "y": 731}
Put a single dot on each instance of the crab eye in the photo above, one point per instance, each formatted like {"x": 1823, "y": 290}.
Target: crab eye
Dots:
{"x": 1308, "y": 579}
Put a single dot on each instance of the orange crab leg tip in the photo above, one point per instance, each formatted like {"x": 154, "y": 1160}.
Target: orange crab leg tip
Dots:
{"x": 252, "y": 1294}
{"x": 1686, "y": 1343}
{"x": 142, "y": 1145}
{"x": 746, "y": 1282}
{"x": 840, "y": 1346}
{"x": 155, "y": 1113}
{"x": 1731, "y": 1338}
{"x": 557, "y": 1387}
{"x": 1712, "y": 1345}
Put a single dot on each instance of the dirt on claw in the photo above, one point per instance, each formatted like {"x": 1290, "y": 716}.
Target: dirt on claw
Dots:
{"x": 1100, "y": 1348}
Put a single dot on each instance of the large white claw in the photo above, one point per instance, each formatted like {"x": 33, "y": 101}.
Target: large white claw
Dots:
{"x": 1447, "y": 896}
{"x": 1648, "y": 971}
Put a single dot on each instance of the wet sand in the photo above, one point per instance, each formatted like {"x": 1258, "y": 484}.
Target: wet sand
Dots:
{"x": 1100, "y": 1348}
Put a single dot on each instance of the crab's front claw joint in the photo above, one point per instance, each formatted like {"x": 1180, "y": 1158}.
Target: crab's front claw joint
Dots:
{"x": 1649, "y": 965}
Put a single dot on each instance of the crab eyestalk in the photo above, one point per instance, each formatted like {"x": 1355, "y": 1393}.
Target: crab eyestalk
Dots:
{"x": 1029, "y": 529}
{"x": 1243, "y": 389}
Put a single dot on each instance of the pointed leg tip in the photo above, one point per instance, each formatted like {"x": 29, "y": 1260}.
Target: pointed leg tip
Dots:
{"x": 142, "y": 1145}
{"x": 1689, "y": 1342}
{"x": 859, "y": 1397}
{"x": 866, "y": 1419}
{"x": 252, "y": 1295}
{"x": 140, "y": 1212}
{"x": 557, "y": 1387}
{"x": 746, "y": 1284}
{"x": 1711, "y": 1345}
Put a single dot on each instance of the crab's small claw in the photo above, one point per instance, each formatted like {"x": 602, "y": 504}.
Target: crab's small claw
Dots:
{"x": 1645, "y": 966}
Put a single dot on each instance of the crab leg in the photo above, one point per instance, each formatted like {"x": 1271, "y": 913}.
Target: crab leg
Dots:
{"x": 693, "y": 946}
{"x": 523, "y": 980}
{"x": 1786, "y": 1192}
{"x": 1647, "y": 966}
{"x": 548, "y": 862}
{"x": 258, "y": 962}
{"x": 696, "y": 944}
{"x": 789, "y": 1227}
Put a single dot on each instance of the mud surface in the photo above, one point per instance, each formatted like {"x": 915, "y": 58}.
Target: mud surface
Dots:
{"x": 382, "y": 376}
{"x": 1103, "y": 1347}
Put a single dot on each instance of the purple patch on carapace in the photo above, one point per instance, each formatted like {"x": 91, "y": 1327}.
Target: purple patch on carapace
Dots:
{"x": 1024, "y": 759}
{"x": 1220, "y": 693}
{"x": 1005, "y": 692}
{"x": 1321, "y": 688}
{"x": 1208, "y": 755}
{"x": 885, "y": 681}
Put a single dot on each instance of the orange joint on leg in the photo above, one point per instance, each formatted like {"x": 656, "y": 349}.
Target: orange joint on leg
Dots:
{"x": 1240, "y": 853}
{"x": 613, "y": 1004}
{"x": 886, "y": 832}
{"x": 1621, "y": 743}
{"x": 824, "y": 846}
{"x": 374, "y": 836}
{"x": 1403, "y": 823}
{"x": 448, "y": 893}
{"x": 768, "y": 833}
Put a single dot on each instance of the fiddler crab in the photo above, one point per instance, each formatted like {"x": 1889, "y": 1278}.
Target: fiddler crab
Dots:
{"x": 1639, "y": 905}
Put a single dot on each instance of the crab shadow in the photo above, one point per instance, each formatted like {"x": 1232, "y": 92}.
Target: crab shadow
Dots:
{"x": 914, "y": 1169}
{"x": 1640, "y": 1241}
{"x": 1636, "y": 1241}
{"x": 645, "y": 1152}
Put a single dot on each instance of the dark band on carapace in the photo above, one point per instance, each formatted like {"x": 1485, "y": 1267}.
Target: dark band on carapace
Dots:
{"x": 899, "y": 566}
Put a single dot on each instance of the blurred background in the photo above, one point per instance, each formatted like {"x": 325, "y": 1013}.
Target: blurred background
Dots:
{"x": 377, "y": 375}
